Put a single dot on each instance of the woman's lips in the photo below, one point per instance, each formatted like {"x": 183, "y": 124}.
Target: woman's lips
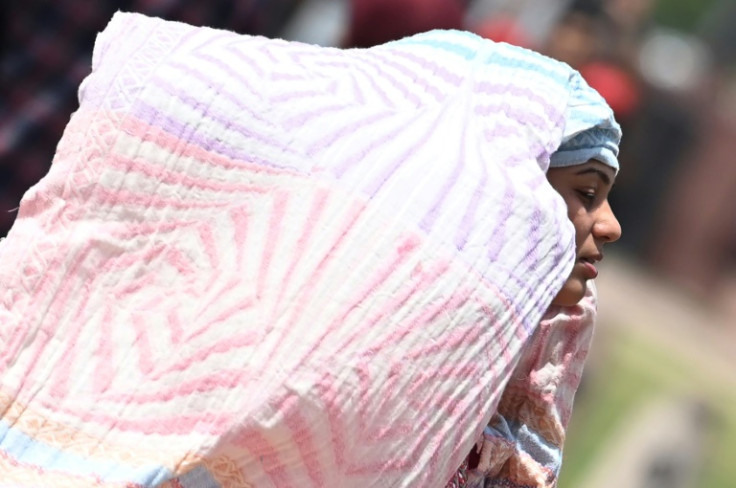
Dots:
{"x": 591, "y": 272}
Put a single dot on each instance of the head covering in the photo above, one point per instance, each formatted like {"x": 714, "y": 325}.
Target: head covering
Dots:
{"x": 263, "y": 263}
{"x": 591, "y": 131}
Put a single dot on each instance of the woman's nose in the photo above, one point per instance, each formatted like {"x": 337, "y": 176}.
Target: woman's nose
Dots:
{"x": 606, "y": 226}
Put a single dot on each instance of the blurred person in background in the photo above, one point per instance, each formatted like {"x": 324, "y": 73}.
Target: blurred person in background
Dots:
{"x": 698, "y": 248}
{"x": 581, "y": 34}
{"x": 374, "y": 22}
{"x": 501, "y": 27}
{"x": 525, "y": 24}
{"x": 631, "y": 21}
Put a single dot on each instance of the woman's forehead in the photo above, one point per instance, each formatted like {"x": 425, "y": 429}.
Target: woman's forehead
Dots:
{"x": 592, "y": 166}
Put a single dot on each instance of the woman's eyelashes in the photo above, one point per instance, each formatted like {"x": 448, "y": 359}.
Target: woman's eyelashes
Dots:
{"x": 587, "y": 196}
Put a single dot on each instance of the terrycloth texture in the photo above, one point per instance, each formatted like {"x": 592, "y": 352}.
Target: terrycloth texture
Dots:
{"x": 259, "y": 263}
{"x": 590, "y": 132}
{"x": 523, "y": 443}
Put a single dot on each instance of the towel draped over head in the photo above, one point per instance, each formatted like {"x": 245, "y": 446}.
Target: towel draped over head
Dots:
{"x": 263, "y": 263}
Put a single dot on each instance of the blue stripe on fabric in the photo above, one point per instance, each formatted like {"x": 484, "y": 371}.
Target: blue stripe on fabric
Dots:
{"x": 199, "y": 477}
{"x": 526, "y": 441}
{"x": 532, "y": 62}
{"x": 462, "y": 51}
{"x": 515, "y": 57}
{"x": 26, "y": 450}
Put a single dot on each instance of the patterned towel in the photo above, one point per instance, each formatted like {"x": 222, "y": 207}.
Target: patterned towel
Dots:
{"x": 262, "y": 263}
{"x": 523, "y": 443}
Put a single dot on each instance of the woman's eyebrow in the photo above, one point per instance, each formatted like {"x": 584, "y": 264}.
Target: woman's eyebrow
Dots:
{"x": 606, "y": 179}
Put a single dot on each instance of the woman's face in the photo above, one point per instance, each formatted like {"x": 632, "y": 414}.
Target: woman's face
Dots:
{"x": 585, "y": 189}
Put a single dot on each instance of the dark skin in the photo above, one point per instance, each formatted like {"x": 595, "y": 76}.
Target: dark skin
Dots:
{"x": 585, "y": 188}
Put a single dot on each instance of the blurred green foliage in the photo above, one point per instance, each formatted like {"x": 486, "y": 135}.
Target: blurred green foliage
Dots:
{"x": 681, "y": 14}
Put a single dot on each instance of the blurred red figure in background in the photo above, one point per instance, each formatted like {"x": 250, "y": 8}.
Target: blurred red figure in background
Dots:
{"x": 618, "y": 87}
{"x": 503, "y": 28}
{"x": 373, "y": 22}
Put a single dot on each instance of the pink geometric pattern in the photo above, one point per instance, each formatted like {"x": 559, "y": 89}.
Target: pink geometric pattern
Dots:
{"x": 272, "y": 264}
{"x": 523, "y": 443}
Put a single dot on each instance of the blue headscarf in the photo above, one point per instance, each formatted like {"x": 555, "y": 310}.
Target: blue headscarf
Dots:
{"x": 591, "y": 132}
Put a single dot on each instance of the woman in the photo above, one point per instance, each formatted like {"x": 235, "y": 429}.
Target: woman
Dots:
{"x": 522, "y": 445}
{"x": 262, "y": 263}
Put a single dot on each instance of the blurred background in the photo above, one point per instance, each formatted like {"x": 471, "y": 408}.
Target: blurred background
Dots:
{"x": 657, "y": 406}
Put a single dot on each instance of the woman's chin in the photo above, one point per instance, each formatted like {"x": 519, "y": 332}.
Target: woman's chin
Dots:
{"x": 571, "y": 293}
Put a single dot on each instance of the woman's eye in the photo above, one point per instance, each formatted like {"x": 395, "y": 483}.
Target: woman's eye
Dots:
{"x": 587, "y": 195}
